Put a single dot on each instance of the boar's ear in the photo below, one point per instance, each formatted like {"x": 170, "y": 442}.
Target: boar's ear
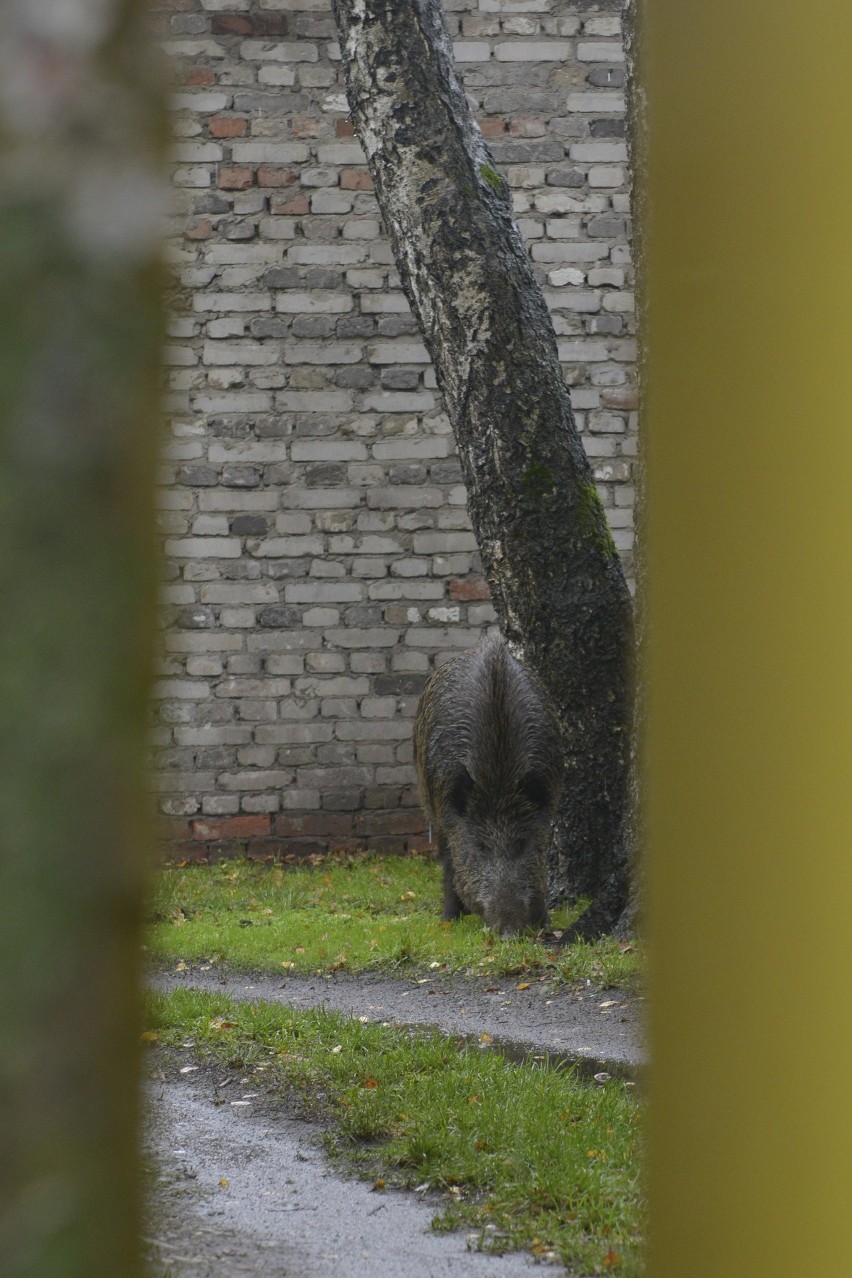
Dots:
{"x": 535, "y": 789}
{"x": 460, "y": 791}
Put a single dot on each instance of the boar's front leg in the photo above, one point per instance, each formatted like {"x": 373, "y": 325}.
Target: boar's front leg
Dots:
{"x": 453, "y": 908}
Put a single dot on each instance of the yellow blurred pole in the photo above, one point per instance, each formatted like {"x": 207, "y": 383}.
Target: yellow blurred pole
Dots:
{"x": 748, "y": 276}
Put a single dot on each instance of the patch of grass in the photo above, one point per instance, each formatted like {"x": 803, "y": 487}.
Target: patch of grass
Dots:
{"x": 356, "y": 913}
{"x": 527, "y": 1155}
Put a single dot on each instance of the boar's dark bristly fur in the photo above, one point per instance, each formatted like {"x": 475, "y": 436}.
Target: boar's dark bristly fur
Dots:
{"x": 489, "y": 762}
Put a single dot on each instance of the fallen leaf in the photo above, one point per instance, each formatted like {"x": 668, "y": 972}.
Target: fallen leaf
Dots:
{"x": 370, "y": 1083}
{"x": 218, "y": 1024}
{"x": 150, "y": 1036}
{"x": 611, "y": 1258}
{"x": 378, "y": 1183}
{"x": 335, "y": 1051}
{"x": 524, "y": 985}
{"x": 288, "y": 966}
{"x": 188, "y": 1069}
{"x": 485, "y": 1038}
{"x": 224, "y": 1182}
{"x": 408, "y": 896}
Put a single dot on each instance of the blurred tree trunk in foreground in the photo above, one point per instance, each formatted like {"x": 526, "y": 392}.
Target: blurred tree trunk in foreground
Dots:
{"x": 554, "y": 572}
{"x": 81, "y": 134}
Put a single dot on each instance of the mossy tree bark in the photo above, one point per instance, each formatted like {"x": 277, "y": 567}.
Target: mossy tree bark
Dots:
{"x": 81, "y": 135}
{"x": 556, "y": 579}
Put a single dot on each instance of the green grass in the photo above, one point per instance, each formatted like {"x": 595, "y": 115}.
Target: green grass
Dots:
{"x": 355, "y": 913}
{"x": 527, "y": 1155}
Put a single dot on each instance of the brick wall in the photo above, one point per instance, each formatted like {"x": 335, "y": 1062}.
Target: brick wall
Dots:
{"x": 319, "y": 554}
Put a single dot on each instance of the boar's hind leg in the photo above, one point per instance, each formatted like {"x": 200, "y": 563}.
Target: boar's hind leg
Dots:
{"x": 453, "y": 907}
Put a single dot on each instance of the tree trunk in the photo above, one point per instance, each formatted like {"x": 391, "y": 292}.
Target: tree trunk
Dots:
{"x": 81, "y": 131}
{"x": 555, "y": 576}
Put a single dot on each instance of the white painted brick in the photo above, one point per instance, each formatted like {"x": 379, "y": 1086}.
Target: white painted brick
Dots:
{"x": 269, "y": 152}
{"x": 532, "y": 51}
{"x": 285, "y": 51}
{"x": 559, "y": 278}
{"x": 400, "y": 402}
{"x": 398, "y": 352}
{"x": 514, "y": 6}
{"x": 192, "y": 177}
{"x": 332, "y": 200}
{"x": 288, "y": 547}
{"x": 606, "y": 175}
{"x": 324, "y": 592}
{"x": 599, "y": 152}
{"x": 341, "y": 153}
{"x": 602, "y": 24}
{"x": 471, "y": 50}
{"x": 385, "y": 304}
{"x": 196, "y": 152}
{"x": 244, "y": 353}
{"x": 277, "y": 75}
{"x": 607, "y": 103}
{"x": 277, "y": 228}
{"x": 233, "y": 402}
{"x": 203, "y": 103}
{"x": 248, "y": 451}
{"x": 242, "y": 254}
{"x": 204, "y": 547}
{"x": 232, "y": 302}
{"x": 314, "y": 401}
{"x": 191, "y": 49}
{"x": 619, "y": 303}
{"x": 559, "y": 202}
{"x": 328, "y": 450}
{"x": 600, "y": 51}
{"x": 581, "y": 352}
{"x": 320, "y": 303}
{"x": 322, "y": 353}
{"x": 326, "y": 254}
{"x": 410, "y": 449}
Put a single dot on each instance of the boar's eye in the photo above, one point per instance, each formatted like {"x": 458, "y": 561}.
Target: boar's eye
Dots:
{"x": 535, "y": 790}
{"x": 460, "y": 792}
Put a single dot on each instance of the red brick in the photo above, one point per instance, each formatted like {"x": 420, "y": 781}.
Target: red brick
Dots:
{"x": 202, "y": 229}
{"x": 227, "y": 126}
{"x": 313, "y": 824}
{"x": 623, "y": 399}
{"x": 391, "y": 847}
{"x": 295, "y": 204}
{"x": 263, "y": 849}
{"x": 231, "y": 24}
{"x": 492, "y": 128}
{"x": 268, "y": 176}
{"x": 301, "y": 848}
{"x": 469, "y": 588}
{"x": 240, "y": 827}
{"x": 235, "y": 178}
{"x": 172, "y": 828}
{"x": 200, "y": 76}
{"x": 344, "y": 128}
{"x": 194, "y": 852}
{"x": 355, "y": 180}
{"x": 306, "y": 126}
{"x": 409, "y": 822}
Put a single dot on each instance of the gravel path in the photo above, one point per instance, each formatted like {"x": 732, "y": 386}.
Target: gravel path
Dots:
{"x": 603, "y": 1027}
{"x": 242, "y": 1186}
